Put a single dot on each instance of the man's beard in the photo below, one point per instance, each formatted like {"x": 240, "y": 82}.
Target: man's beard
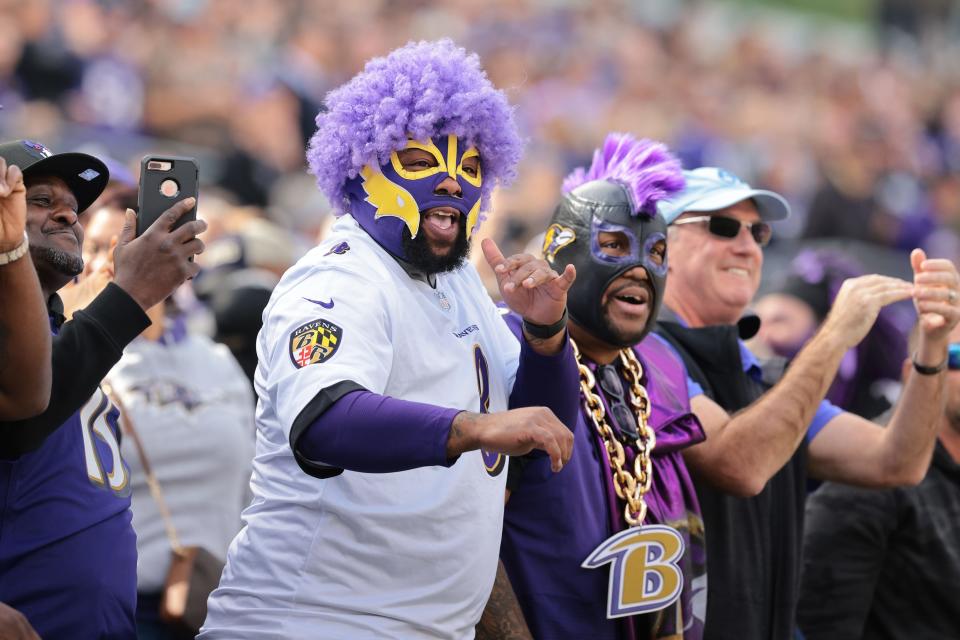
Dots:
{"x": 624, "y": 338}
{"x": 59, "y": 261}
{"x": 420, "y": 255}
{"x": 627, "y": 337}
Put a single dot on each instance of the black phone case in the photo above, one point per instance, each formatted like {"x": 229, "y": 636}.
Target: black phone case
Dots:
{"x": 151, "y": 202}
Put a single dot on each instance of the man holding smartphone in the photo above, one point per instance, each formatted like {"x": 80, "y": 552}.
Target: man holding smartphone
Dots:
{"x": 67, "y": 552}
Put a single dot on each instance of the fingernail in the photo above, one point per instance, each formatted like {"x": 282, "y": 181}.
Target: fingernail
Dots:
{"x": 500, "y": 268}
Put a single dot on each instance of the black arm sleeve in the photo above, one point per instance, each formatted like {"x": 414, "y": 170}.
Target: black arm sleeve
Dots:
{"x": 84, "y": 351}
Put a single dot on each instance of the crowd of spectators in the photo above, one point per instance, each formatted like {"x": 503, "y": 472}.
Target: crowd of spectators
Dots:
{"x": 860, "y": 130}
{"x": 857, "y": 124}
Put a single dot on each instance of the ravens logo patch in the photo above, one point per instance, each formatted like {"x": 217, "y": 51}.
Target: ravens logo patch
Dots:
{"x": 314, "y": 342}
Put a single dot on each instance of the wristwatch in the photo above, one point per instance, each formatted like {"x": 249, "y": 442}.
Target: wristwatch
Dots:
{"x": 6, "y": 257}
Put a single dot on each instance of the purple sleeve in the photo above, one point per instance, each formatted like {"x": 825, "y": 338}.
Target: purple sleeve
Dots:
{"x": 546, "y": 381}
{"x": 367, "y": 432}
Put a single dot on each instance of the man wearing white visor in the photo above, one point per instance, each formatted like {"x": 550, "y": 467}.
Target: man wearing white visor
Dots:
{"x": 764, "y": 435}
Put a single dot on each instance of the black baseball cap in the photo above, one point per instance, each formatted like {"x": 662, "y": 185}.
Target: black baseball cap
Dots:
{"x": 85, "y": 175}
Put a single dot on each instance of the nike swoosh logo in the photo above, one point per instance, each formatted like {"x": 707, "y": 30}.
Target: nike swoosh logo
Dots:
{"x": 325, "y": 305}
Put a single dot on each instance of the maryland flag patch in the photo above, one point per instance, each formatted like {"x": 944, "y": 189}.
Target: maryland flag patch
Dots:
{"x": 314, "y": 342}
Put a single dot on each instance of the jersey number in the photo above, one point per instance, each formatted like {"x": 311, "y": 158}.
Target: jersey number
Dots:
{"x": 98, "y": 421}
{"x": 492, "y": 462}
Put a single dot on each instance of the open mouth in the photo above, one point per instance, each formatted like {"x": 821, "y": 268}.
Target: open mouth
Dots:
{"x": 441, "y": 222}
{"x": 632, "y": 296}
{"x": 629, "y": 299}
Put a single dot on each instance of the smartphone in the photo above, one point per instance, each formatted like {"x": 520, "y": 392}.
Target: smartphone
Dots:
{"x": 165, "y": 181}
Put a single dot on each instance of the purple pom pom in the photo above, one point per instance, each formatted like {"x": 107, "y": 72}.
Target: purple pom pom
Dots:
{"x": 646, "y": 168}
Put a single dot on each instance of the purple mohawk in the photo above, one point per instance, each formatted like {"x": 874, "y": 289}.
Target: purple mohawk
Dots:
{"x": 421, "y": 90}
{"x": 647, "y": 169}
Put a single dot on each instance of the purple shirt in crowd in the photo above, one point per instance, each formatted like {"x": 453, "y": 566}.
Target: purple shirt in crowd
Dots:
{"x": 68, "y": 555}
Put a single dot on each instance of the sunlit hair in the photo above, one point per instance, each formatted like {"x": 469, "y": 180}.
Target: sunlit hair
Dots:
{"x": 646, "y": 168}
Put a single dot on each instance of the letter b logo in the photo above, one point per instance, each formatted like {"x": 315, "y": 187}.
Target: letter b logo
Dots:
{"x": 644, "y": 575}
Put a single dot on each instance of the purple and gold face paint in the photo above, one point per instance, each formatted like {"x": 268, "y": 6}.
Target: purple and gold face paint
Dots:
{"x": 386, "y": 199}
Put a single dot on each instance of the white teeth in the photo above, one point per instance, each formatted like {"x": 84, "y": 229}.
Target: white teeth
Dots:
{"x": 738, "y": 272}
{"x": 442, "y": 221}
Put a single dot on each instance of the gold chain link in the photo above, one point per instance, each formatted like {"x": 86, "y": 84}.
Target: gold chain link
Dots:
{"x": 630, "y": 487}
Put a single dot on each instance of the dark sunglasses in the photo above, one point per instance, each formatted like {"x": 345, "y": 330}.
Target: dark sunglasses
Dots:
{"x": 730, "y": 227}
{"x": 953, "y": 356}
{"x": 625, "y": 422}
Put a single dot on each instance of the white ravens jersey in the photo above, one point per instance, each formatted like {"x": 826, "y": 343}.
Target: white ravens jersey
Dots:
{"x": 192, "y": 407}
{"x": 405, "y": 555}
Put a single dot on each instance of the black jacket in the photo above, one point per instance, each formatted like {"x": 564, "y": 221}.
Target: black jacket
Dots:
{"x": 884, "y": 563}
{"x": 753, "y": 544}
{"x": 84, "y": 350}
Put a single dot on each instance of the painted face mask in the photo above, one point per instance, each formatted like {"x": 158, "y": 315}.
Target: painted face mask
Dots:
{"x": 387, "y": 200}
{"x": 617, "y": 193}
{"x": 573, "y": 238}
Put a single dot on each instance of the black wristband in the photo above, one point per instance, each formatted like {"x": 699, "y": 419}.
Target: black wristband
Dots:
{"x": 928, "y": 371}
{"x": 544, "y": 331}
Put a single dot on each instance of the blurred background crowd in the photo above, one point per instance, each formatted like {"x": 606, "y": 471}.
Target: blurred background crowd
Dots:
{"x": 851, "y": 110}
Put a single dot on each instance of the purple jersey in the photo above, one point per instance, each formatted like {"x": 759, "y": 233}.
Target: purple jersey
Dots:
{"x": 554, "y": 521}
{"x": 67, "y": 548}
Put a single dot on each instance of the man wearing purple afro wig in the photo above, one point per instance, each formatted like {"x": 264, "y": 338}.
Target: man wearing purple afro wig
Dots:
{"x": 612, "y": 548}
{"x": 391, "y": 390}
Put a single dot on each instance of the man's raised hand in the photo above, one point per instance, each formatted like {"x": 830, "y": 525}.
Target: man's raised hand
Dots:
{"x": 13, "y": 206}
{"x": 528, "y": 285}
{"x": 151, "y": 267}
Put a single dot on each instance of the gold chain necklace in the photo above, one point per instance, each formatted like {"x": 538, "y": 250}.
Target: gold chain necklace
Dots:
{"x": 630, "y": 487}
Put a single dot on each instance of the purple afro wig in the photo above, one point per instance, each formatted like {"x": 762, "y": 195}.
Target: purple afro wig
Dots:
{"x": 647, "y": 169}
{"x": 421, "y": 90}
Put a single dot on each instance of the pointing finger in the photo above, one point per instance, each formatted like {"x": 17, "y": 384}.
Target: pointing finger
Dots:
{"x": 492, "y": 254}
